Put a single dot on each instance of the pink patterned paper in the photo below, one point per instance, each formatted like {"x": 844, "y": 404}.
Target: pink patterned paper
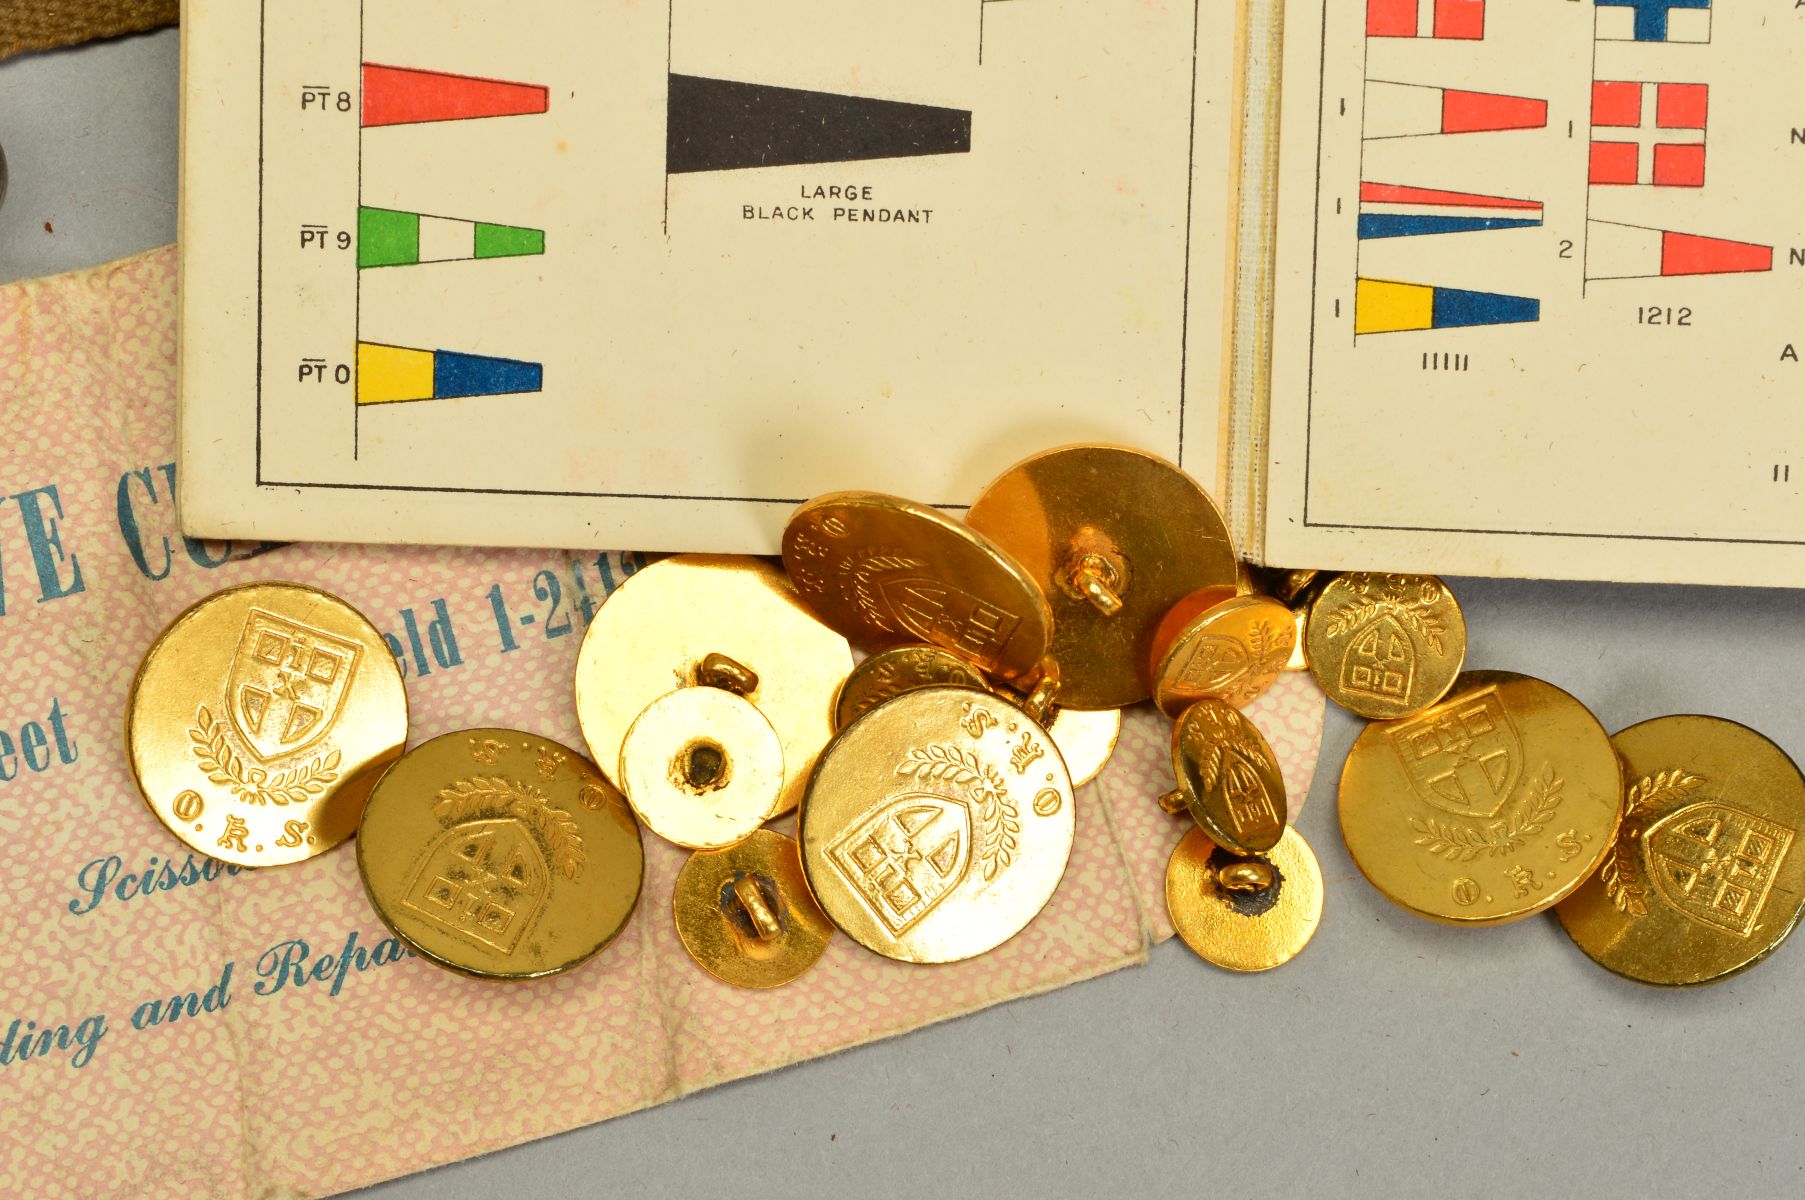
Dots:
{"x": 309, "y": 1054}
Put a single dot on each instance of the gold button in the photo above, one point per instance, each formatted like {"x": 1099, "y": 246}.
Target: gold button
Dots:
{"x": 500, "y": 854}
{"x": 1385, "y": 646}
{"x": 745, "y": 914}
{"x": 1228, "y": 778}
{"x": 937, "y": 825}
{"x": 1086, "y": 738}
{"x": 1244, "y": 914}
{"x": 1490, "y": 806}
{"x": 1115, "y": 538}
{"x": 259, "y": 721}
{"x": 654, "y": 632}
{"x": 886, "y": 571}
{"x": 1706, "y": 876}
{"x": 1232, "y": 652}
{"x": 702, "y": 768}
{"x": 889, "y": 674}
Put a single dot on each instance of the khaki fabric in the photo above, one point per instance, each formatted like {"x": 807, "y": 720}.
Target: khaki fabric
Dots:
{"x": 44, "y": 24}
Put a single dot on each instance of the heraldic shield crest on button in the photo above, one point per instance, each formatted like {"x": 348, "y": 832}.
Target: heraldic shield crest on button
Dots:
{"x": 484, "y": 881}
{"x": 287, "y": 684}
{"x": 1717, "y": 863}
{"x": 906, "y": 857}
{"x": 1215, "y": 665}
{"x": 1381, "y": 661}
{"x": 939, "y": 612}
{"x": 1464, "y": 756}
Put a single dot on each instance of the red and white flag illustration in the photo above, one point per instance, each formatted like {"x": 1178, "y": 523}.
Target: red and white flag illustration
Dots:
{"x": 1648, "y": 133}
{"x": 1459, "y": 19}
{"x": 1618, "y": 251}
{"x": 1415, "y": 110}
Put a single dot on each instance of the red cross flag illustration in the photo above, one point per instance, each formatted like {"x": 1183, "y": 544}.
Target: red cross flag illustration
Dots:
{"x": 1648, "y": 133}
{"x": 1460, "y": 19}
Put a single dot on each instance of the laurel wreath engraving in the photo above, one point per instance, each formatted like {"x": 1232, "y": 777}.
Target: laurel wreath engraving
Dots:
{"x": 861, "y": 567}
{"x": 997, "y": 823}
{"x": 1623, "y": 884}
{"x": 1522, "y": 821}
{"x": 254, "y": 785}
{"x": 1269, "y": 650}
{"x": 1411, "y": 598}
{"x": 495, "y": 796}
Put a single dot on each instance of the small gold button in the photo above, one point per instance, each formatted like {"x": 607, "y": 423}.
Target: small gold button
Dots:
{"x": 702, "y": 768}
{"x": 1228, "y": 778}
{"x": 745, "y": 914}
{"x": 1244, "y": 914}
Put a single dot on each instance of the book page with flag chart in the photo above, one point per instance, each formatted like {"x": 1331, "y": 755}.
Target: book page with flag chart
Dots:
{"x": 1538, "y": 294}
{"x": 652, "y": 274}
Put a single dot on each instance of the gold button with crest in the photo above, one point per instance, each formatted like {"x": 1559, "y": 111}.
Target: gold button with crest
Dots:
{"x": 1228, "y": 778}
{"x": 938, "y": 825}
{"x": 1240, "y": 913}
{"x": 260, "y": 720}
{"x": 701, "y": 766}
{"x": 1385, "y": 646}
{"x": 1115, "y": 538}
{"x": 886, "y": 571}
{"x": 1707, "y": 875}
{"x": 500, "y": 854}
{"x": 1494, "y": 804}
{"x": 655, "y": 631}
{"x": 745, "y": 914}
{"x": 1232, "y": 652}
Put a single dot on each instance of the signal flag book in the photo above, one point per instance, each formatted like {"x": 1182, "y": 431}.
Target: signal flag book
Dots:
{"x": 1412, "y": 284}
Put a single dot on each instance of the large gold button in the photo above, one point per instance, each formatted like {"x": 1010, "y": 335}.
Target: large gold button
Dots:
{"x": 1115, "y": 538}
{"x": 500, "y": 854}
{"x": 260, "y": 720}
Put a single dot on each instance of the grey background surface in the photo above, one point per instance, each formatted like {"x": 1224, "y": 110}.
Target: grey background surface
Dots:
{"x": 1393, "y": 1058}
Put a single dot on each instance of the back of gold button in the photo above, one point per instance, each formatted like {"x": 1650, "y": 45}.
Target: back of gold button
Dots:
{"x": 1115, "y": 538}
{"x": 745, "y": 913}
{"x": 1244, "y": 914}
{"x": 656, "y": 631}
{"x": 702, "y": 768}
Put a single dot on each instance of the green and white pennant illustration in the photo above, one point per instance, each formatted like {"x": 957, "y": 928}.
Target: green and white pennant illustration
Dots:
{"x": 391, "y": 238}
